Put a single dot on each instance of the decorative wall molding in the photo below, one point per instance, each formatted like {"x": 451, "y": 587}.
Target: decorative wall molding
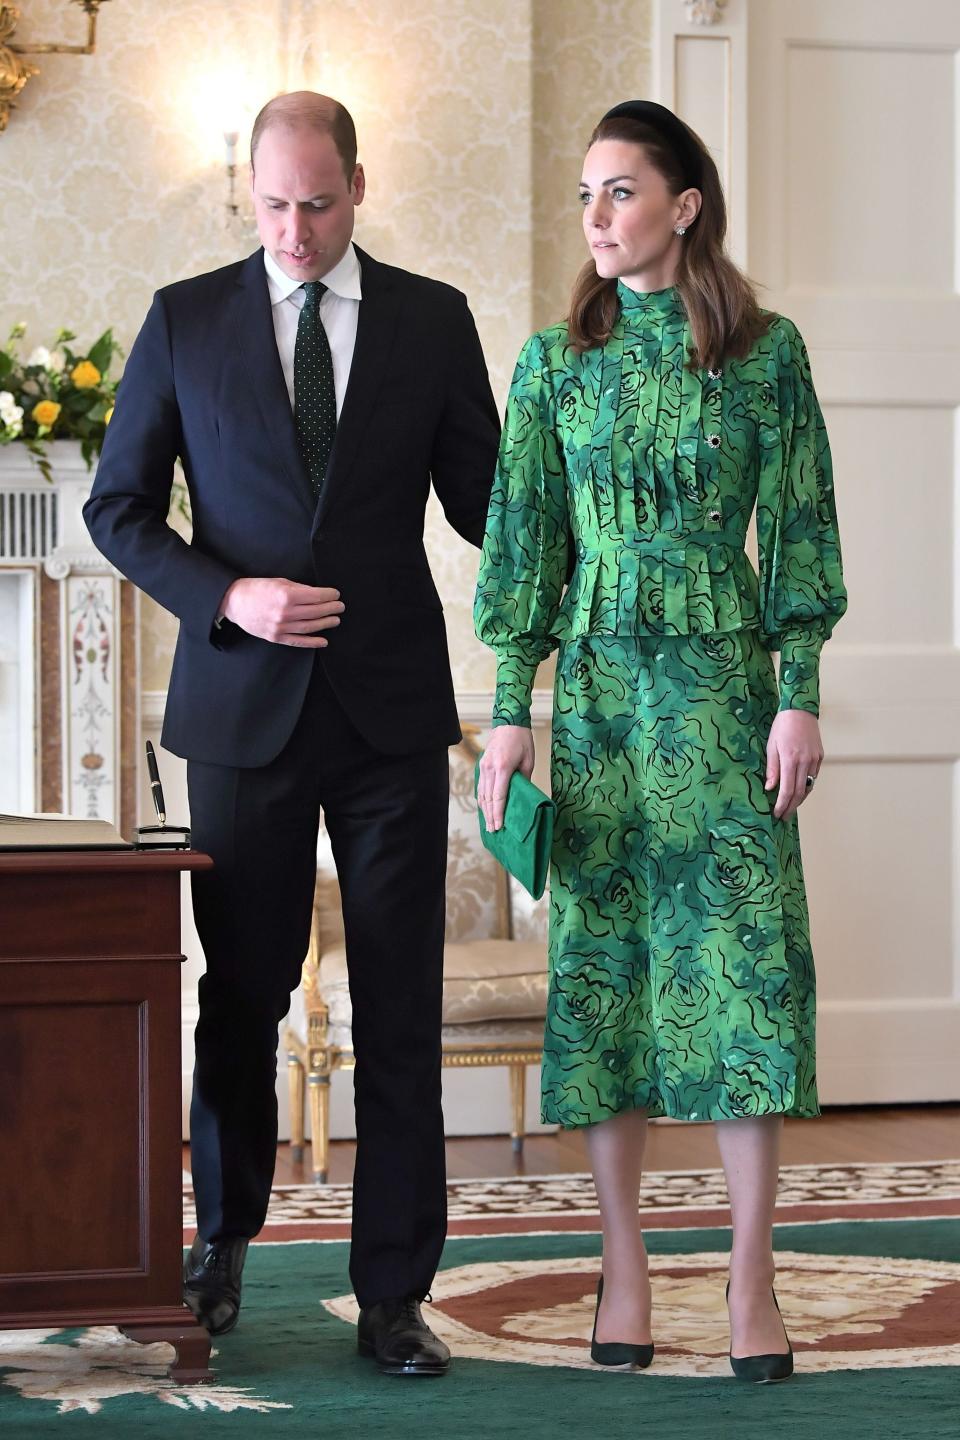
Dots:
{"x": 704, "y": 12}
{"x": 700, "y": 71}
{"x": 91, "y": 710}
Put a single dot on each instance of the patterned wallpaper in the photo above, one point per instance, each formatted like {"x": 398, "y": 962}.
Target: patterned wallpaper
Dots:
{"x": 472, "y": 116}
{"x": 586, "y": 58}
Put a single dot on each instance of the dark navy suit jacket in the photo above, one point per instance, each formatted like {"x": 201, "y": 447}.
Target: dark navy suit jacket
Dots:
{"x": 204, "y": 382}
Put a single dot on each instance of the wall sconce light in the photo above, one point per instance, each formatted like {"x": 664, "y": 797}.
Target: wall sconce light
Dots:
{"x": 240, "y": 218}
{"x": 230, "y": 138}
{"x": 14, "y": 72}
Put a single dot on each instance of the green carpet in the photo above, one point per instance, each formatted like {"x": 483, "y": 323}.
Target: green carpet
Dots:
{"x": 291, "y": 1365}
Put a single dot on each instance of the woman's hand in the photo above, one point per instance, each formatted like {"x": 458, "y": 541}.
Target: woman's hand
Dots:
{"x": 509, "y": 748}
{"x": 794, "y": 751}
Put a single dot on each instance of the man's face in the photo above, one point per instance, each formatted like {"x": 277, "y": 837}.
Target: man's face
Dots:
{"x": 303, "y": 201}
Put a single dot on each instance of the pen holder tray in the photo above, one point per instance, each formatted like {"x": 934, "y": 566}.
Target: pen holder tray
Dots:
{"x": 162, "y": 837}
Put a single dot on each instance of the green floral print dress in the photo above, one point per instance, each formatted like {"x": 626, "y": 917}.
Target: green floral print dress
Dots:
{"x": 681, "y": 975}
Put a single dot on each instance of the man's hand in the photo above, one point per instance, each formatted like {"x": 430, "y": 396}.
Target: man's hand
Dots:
{"x": 509, "y": 748}
{"x": 794, "y": 751}
{"x": 283, "y": 611}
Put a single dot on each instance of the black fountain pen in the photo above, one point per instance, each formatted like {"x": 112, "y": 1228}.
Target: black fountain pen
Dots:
{"x": 162, "y": 836}
{"x": 156, "y": 789}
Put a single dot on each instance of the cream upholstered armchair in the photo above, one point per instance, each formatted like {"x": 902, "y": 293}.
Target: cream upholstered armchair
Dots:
{"x": 495, "y": 974}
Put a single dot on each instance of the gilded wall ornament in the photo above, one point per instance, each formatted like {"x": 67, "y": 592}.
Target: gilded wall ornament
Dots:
{"x": 14, "y": 72}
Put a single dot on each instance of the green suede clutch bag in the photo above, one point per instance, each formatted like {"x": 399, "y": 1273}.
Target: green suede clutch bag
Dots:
{"x": 523, "y": 843}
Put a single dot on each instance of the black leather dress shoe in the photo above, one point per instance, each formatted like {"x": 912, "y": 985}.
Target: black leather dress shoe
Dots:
{"x": 396, "y": 1335}
{"x": 211, "y": 1282}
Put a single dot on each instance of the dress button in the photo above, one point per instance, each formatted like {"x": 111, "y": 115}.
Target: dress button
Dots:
{"x": 713, "y": 441}
{"x": 715, "y": 515}
{"x": 715, "y": 374}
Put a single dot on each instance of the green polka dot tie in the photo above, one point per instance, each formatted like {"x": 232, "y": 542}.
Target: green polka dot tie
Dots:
{"x": 315, "y": 400}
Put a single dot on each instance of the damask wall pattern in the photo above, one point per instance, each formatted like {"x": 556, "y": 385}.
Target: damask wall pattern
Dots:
{"x": 472, "y": 118}
{"x": 586, "y": 58}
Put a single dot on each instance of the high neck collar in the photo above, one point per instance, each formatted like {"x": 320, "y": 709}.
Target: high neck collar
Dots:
{"x": 655, "y": 305}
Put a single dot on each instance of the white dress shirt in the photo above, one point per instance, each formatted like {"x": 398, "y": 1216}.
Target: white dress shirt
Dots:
{"x": 339, "y": 310}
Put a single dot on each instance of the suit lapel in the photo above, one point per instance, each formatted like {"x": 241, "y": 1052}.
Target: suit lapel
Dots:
{"x": 376, "y": 328}
{"x": 258, "y": 344}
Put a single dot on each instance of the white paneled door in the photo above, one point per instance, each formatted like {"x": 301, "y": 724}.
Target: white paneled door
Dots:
{"x": 836, "y": 122}
{"x": 853, "y": 204}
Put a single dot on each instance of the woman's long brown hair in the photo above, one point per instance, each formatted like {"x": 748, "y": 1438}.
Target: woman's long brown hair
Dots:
{"x": 721, "y": 304}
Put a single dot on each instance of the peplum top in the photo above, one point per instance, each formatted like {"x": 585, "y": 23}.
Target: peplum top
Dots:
{"x": 630, "y": 477}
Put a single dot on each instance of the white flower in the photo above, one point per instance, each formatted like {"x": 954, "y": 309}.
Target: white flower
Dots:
{"x": 11, "y": 415}
{"x": 40, "y": 356}
{"x": 57, "y": 363}
{"x": 10, "y": 411}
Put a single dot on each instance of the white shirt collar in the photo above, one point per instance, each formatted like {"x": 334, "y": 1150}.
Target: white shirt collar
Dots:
{"x": 342, "y": 280}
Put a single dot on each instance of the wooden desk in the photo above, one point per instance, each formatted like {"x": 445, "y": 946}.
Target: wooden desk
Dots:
{"x": 91, "y": 1216}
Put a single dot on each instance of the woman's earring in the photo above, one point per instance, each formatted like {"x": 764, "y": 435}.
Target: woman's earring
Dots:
{"x": 679, "y": 229}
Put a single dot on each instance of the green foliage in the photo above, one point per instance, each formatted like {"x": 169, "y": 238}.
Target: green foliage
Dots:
{"x": 49, "y": 379}
{"x": 102, "y": 352}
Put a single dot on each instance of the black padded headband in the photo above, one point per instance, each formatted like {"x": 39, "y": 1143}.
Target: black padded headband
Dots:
{"x": 673, "y": 130}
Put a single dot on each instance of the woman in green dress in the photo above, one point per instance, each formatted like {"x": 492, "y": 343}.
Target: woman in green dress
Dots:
{"x": 639, "y": 438}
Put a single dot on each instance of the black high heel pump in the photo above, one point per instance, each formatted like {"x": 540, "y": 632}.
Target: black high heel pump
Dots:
{"x": 613, "y": 1352}
{"x": 763, "y": 1369}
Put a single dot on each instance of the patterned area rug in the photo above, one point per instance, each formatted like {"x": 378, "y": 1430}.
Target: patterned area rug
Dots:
{"x": 868, "y": 1280}
{"x": 525, "y": 1204}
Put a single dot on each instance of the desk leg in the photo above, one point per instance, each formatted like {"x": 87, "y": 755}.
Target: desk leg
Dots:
{"x": 191, "y": 1363}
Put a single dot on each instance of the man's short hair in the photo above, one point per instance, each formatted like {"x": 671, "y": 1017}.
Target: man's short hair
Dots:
{"x": 305, "y": 109}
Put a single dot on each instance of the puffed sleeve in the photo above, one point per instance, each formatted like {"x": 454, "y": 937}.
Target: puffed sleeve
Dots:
{"x": 524, "y": 559}
{"x": 801, "y": 578}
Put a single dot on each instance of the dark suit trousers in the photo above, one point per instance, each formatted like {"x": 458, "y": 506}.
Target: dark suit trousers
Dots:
{"x": 387, "y": 820}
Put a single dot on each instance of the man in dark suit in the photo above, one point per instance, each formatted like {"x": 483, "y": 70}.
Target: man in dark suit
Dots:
{"x": 312, "y": 395}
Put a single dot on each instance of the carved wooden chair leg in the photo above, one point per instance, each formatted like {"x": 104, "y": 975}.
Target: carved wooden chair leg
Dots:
{"x": 297, "y": 1082}
{"x": 518, "y": 1100}
{"x": 319, "y": 1083}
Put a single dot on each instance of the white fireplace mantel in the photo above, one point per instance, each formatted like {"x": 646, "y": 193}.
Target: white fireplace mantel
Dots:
{"x": 41, "y": 521}
{"x": 64, "y": 739}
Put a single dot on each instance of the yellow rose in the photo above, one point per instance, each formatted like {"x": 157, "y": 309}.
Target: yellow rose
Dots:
{"x": 85, "y": 375}
{"x": 45, "y": 413}
{"x": 109, "y": 416}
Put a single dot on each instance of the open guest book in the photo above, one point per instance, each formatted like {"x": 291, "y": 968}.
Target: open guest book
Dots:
{"x": 59, "y": 832}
